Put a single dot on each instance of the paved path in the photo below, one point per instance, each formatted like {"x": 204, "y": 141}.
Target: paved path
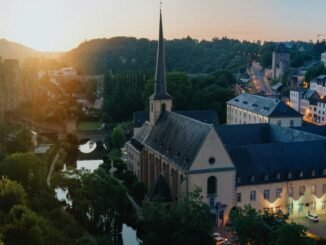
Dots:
{"x": 317, "y": 228}
{"x": 54, "y": 161}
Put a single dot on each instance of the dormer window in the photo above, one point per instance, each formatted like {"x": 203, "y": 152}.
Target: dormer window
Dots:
{"x": 289, "y": 175}
{"x": 252, "y": 178}
{"x": 265, "y": 177}
{"x": 238, "y": 180}
{"x": 301, "y": 174}
{"x": 278, "y": 176}
{"x": 313, "y": 173}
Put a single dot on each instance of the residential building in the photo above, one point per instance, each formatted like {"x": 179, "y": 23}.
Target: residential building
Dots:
{"x": 252, "y": 109}
{"x": 319, "y": 84}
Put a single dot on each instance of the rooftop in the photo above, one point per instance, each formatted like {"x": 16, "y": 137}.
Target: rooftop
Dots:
{"x": 268, "y": 153}
{"x": 264, "y": 106}
{"x": 178, "y": 138}
{"x": 207, "y": 116}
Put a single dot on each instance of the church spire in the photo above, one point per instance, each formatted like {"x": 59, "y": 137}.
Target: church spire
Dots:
{"x": 160, "y": 90}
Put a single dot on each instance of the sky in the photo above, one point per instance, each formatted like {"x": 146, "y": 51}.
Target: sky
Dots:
{"x": 60, "y": 25}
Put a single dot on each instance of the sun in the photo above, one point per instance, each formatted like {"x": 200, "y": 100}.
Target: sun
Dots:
{"x": 40, "y": 25}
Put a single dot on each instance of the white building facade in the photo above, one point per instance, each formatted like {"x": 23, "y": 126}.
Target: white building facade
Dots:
{"x": 252, "y": 109}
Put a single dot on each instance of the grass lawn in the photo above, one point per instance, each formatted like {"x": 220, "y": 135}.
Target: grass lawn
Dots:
{"x": 88, "y": 125}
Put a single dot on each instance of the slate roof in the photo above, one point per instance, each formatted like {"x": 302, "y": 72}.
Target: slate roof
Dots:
{"x": 139, "y": 138}
{"x": 259, "y": 160}
{"x": 314, "y": 129}
{"x": 207, "y": 116}
{"x": 178, "y": 138}
{"x": 251, "y": 134}
{"x": 263, "y": 149}
{"x": 160, "y": 189}
{"x": 263, "y": 106}
{"x": 160, "y": 91}
{"x": 320, "y": 80}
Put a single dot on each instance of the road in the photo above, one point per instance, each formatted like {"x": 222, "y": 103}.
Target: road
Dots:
{"x": 316, "y": 228}
{"x": 257, "y": 75}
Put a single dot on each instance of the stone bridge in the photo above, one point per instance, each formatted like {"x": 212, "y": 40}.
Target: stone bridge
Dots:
{"x": 95, "y": 135}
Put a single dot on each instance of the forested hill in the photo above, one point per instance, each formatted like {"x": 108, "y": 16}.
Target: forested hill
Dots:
{"x": 12, "y": 50}
{"x": 127, "y": 54}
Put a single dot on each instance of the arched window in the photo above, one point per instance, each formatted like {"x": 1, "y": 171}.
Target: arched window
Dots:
{"x": 211, "y": 185}
{"x": 291, "y": 123}
{"x": 163, "y": 107}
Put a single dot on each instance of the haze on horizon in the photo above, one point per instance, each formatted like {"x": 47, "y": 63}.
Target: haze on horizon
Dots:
{"x": 60, "y": 25}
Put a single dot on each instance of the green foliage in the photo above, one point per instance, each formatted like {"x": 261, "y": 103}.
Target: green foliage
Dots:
{"x": 314, "y": 72}
{"x": 89, "y": 87}
{"x": 291, "y": 232}
{"x": 27, "y": 169}
{"x": 264, "y": 228}
{"x": 117, "y": 137}
{"x": 186, "y": 222}
{"x": 123, "y": 95}
{"x": 27, "y": 227}
{"x": 11, "y": 194}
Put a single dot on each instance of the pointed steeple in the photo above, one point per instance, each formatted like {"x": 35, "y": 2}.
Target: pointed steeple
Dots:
{"x": 160, "y": 90}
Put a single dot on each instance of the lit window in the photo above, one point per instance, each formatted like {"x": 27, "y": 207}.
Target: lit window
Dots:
{"x": 278, "y": 192}
{"x": 323, "y": 205}
{"x": 302, "y": 190}
{"x": 313, "y": 206}
{"x": 266, "y": 194}
{"x": 301, "y": 173}
{"x": 253, "y": 196}
{"x": 313, "y": 189}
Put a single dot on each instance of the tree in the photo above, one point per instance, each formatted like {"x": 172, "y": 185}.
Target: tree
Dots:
{"x": 100, "y": 203}
{"x": 11, "y": 194}
{"x": 26, "y": 227}
{"x": 264, "y": 228}
{"x": 90, "y": 87}
{"x": 27, "y": 169}
{"x": 291, "y": 232}
{"x": 186, "y": 222}
{"x": 117, "y": 137}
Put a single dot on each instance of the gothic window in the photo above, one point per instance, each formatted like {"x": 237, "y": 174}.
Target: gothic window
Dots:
{"x": 291, "y": 123}
{"x": 163, "y": 107}
{"x": 211, "y": 185}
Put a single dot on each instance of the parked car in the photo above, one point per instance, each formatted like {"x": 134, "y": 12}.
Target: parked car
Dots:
{"x": 312, "y": 217}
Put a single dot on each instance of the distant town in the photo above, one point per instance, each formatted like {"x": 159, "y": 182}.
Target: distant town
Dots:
{"x": 208, "y": 142}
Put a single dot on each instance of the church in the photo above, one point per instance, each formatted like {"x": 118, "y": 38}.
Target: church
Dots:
{"x": 258, "y": 164}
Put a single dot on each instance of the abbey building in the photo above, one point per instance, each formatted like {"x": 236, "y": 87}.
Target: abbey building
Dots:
{"x": 267, "y": 166}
